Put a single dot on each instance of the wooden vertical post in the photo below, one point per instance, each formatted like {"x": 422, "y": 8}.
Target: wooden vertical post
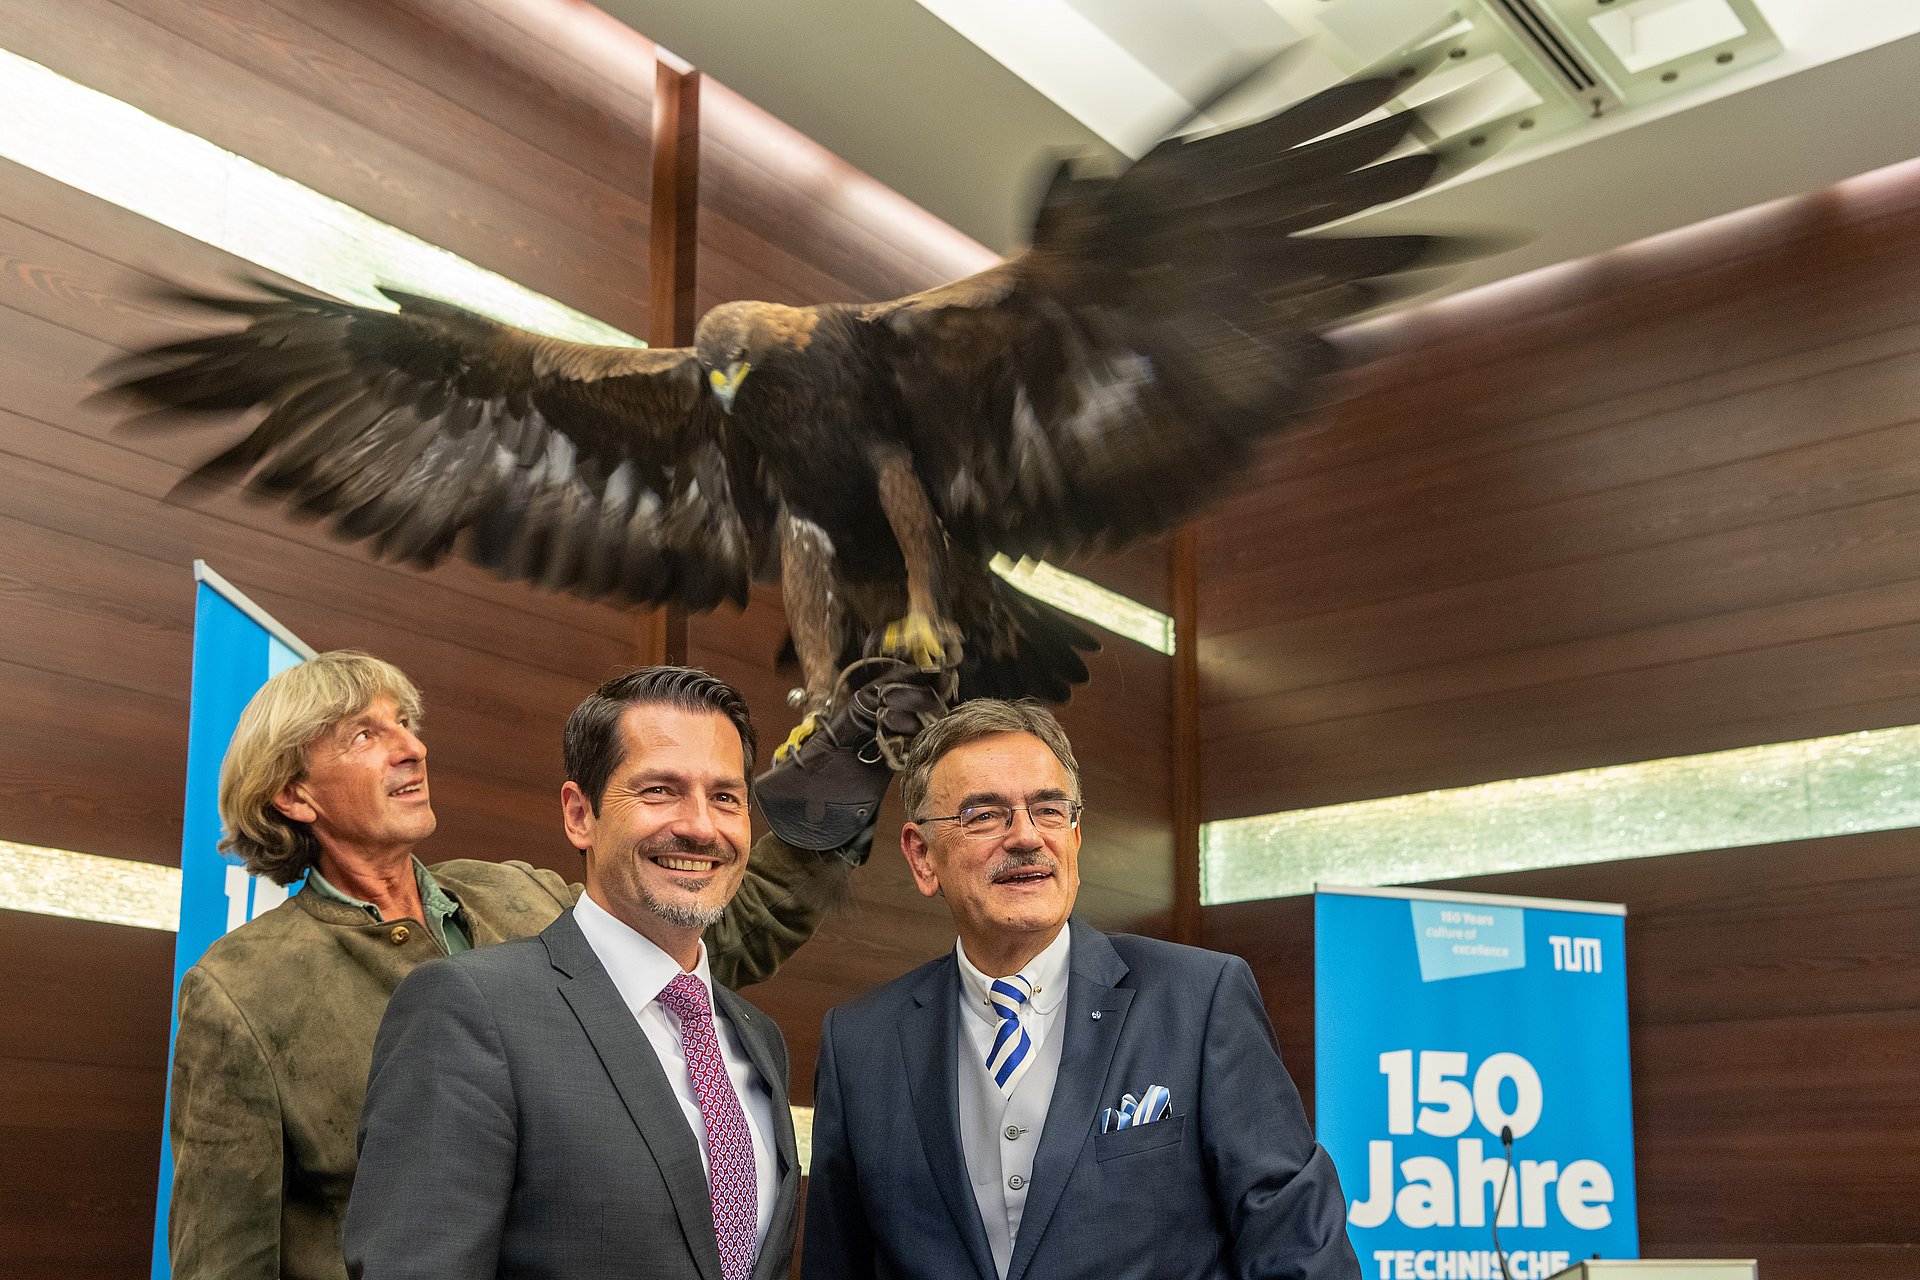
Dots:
{"x": 674, "y": 252}
{"x": 1183, "y": 572}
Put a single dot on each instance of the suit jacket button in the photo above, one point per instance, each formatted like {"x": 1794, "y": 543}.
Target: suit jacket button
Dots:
{"x": 400, "y": 935}
{"x": 1013, "y": 1133}
{"x": 1096, "y": 1015}
{"x": 1016, "y": 1182}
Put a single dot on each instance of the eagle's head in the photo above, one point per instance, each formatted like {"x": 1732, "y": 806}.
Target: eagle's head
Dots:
{"x": 735, "y": 337}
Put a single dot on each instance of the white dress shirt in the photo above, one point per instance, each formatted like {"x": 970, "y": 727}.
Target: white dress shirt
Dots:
{"x": 999, "y": 1134}
{"x": 641, "y": 971}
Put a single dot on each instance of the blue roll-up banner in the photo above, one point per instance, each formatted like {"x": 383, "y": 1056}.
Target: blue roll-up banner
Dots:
{"x": 1442, "y": 1018}
{"x": 236, "y": 647}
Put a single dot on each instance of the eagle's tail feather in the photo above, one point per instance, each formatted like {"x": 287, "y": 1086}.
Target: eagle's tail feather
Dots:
{"x": 1018, "y": 646}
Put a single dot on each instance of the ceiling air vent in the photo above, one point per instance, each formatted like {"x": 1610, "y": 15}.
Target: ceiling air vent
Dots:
{"x": 1607, "y": 54}
{"x": 1558, "y": 54}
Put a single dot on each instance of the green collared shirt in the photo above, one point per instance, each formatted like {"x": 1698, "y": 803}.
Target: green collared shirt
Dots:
{"x": 445, "y": 919}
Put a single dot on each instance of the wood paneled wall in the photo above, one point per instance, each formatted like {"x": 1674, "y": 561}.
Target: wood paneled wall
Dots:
{"x": 517, "y": 136}
{"x": 1661, "y": 502}
{"x": 421, "y": 122}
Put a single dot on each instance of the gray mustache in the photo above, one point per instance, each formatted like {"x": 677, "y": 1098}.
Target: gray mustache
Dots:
{"x": 1021, "y": 862}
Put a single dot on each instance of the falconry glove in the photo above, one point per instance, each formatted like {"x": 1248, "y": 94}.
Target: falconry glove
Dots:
{"x": 828, "y": 790}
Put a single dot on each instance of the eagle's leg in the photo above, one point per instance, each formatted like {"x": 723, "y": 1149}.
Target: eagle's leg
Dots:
{"x": 926, "y": 637}
{"x": 814, "y": 616}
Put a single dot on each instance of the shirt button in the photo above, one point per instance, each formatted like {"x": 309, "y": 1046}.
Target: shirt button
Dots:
{"x": 400, "y": 935}
{"x": 1013, "y": 1133}
{"x": 1016, "y": 1182}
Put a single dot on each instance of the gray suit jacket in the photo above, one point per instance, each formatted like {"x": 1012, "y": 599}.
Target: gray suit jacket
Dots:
{"x": 1230, "y": 1184}
{"x": 518, "y": 1124}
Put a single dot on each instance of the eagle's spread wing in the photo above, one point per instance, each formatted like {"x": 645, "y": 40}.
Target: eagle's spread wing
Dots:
{"x": 1096, "y": 387}
{"x": 596, "y": 470}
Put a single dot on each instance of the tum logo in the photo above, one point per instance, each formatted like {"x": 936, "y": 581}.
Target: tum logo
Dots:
{"x": 1576, "y": 955}
{"x": 251, "y": 896}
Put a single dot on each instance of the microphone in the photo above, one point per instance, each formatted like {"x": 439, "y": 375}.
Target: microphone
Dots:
{"x": 1499, "y": 1201}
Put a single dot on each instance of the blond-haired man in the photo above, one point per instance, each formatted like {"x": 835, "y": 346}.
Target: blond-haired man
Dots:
{"x": 327, "y": 777}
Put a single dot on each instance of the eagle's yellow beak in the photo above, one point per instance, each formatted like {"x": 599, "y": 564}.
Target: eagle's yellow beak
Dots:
{"x": 726, "y": 383}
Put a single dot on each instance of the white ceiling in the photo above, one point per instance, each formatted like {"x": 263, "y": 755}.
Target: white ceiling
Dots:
{"x": 897, "y": 92}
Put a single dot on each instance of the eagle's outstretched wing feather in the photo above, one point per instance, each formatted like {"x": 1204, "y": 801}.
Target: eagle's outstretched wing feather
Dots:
{"x": 1099, "y": 386}
{"x": 595, "y": 470}
{"x": 1093, "y": 390}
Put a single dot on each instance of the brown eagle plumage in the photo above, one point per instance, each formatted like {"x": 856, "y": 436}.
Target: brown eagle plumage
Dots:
{"x": 1091, "y": 390}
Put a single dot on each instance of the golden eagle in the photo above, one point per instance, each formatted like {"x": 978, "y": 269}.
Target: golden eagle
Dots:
{"x": 1091, "y": 390}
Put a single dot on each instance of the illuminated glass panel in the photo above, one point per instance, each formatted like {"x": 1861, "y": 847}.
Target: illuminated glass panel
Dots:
{"x": 106, "y": 148}
{"x": 83, "y": 886}
{"x": 803, "y": 1137}
{"x": 1089, "y": 600}
{"x": 1868, "y": 781}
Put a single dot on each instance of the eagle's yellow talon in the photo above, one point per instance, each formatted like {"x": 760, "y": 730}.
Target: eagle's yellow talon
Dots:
{"x": 808, "y": 725}
{"x": 915, "y": 638}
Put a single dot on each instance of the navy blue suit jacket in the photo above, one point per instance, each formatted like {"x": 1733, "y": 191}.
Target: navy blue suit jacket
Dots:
{"x": 1230, "y": 1184}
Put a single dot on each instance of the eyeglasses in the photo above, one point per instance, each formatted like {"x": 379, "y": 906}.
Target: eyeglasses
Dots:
{"x": 984, "y": 821}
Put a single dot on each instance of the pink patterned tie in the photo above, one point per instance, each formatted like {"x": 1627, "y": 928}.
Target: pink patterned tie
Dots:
{"x": 730, "y": 1179}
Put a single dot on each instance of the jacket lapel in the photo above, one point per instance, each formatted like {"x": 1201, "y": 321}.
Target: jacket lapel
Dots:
{"x": 929, "y": 1042}
{"x": 634, "y": 1068}
{"x": 754, "y": 1029}
{"x": 756, "y": 1032}
{"x": 1085, "y": 1057}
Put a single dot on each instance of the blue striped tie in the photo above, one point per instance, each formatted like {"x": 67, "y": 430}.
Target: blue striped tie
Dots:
{"x": 1007, "y": 1060}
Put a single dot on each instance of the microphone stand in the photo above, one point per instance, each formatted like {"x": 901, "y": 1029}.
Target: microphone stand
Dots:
{"x": 1499, "y": 1201}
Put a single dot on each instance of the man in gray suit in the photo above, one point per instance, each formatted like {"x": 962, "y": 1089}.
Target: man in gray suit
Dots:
{"x": 587, "y": 1103}
{"x": 1070, "y": 1104}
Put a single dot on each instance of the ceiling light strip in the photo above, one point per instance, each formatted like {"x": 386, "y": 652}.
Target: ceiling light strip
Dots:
{"x": 1841, "y": 785}
{"x": 1103, "y": 84}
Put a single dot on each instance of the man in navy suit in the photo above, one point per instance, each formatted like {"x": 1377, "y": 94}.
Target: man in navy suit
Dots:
{"x": 1067, "y": 1103}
